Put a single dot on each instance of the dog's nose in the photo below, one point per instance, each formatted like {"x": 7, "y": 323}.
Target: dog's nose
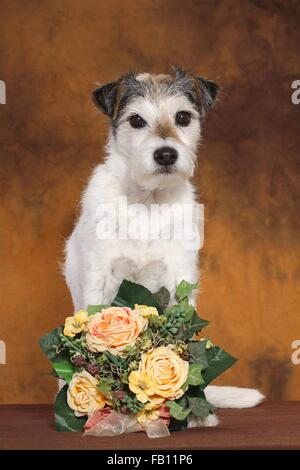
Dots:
{"x": 165, "y": 156}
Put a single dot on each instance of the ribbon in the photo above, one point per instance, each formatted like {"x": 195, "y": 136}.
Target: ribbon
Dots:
{"x": 114, "y": 424}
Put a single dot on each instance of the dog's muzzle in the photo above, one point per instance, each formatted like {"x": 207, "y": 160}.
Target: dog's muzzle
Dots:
{"x": 165, "y": 156}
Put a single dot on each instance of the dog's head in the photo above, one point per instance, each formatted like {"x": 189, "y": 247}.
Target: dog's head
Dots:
{"x": 156, "y": 123}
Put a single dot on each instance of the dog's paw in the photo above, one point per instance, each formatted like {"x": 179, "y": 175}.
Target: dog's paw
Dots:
{"x": 208, "y": 422}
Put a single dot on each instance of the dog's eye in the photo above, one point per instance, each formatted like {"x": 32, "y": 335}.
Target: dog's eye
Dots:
{"x": 183, "y": 118}
{"x": 137, "y": 121}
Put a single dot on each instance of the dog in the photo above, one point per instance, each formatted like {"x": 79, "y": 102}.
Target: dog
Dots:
{"x": 151, "y": 154}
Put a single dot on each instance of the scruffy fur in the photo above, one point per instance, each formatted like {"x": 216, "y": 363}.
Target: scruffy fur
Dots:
{"x": 94, "y": 268}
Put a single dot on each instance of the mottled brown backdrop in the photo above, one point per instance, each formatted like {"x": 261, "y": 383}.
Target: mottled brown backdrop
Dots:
{"x": 51, "y": 136}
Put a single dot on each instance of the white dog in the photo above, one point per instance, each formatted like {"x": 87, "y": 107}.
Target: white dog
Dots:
{"x": 151, "y": 155}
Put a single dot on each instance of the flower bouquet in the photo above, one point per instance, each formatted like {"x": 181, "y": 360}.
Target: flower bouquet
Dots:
{"x": 135, "y": 365}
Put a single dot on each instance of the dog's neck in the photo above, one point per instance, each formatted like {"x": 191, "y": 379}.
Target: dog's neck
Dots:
{"x": 136, "y": 193}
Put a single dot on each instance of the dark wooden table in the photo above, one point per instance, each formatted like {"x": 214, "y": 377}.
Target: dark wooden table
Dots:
{"x": 272, "y": 425}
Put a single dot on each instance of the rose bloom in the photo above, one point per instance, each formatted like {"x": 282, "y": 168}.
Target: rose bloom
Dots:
{"x": 161, "y": 376}
{"x": 76, "y": 324}
{"x": 146, "y": 311}
{"x": 83, "y": 396}
{"x": 114, "y": 329}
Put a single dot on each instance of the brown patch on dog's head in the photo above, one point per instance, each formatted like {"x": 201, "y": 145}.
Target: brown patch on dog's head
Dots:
{"x": 113, "y": 97}
{"x": 165, "y": 129}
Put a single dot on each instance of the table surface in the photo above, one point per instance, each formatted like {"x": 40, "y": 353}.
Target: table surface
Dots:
{"x": 271, "y": 425}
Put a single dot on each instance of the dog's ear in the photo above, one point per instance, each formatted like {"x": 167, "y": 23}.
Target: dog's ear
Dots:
{"x": 208, "y": 93}
{"x": 204, "y": 91}
{"x": 106, "y": 97}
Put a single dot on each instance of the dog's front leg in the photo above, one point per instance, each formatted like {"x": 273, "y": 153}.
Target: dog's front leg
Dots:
{"x": 104, "y": 276}
{"x": 93, "y": 285}
{"x": 185, "y": 268}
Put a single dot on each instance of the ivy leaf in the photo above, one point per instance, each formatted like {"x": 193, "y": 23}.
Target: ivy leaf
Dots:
{"x": 194, "y": 375}
{"x": 184, "y": 289}
{"x": 187, "y": 309}
{"x": 177, "y": 411}
{"x": 115, "y": 360}
{"x": 218, "y": 361}
{"x": 176, "y": 425}
{"x": 130, "y": 293}
{"x": 196, "y": 325}
{"x": 199, "y": 406}
{"x": 92, "y": 309}
{"x": 197, "y": 350}
{"x": 195, "y": 391}
{"x": 49, "y": 344}
{"x": 65, "y": 419}
{"x": 105, "y": 387}
{"x": 64, "y": 369}
{"x": 182, "y": 307}
{"x": 162, "y": 297}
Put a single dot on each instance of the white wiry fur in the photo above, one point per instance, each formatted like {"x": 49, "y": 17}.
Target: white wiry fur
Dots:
{"x": 233, "y": 397}
{"x": 95, "y": 268}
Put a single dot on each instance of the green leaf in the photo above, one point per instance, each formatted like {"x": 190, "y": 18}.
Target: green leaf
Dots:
{"x": 194, "y": 391}
{"x": 194, "y": 374}
{"x": 188, "y": 309}
{"x": 64, "y": 369}
{"x": 115, "y": 360}
{"x": 162, "y": 297}
{"x": 218, "y": 361}
{"x": 177, "y": 411}
{"x": 131, "y": 293}
{"x": 105, "y": 387}
{"x": 176, "y": 425}
{"x": 184, "y": 289}
{"x": 91, "y": 309}
{"x": 50, "y": 342}
{"x": 196, "y": 325}
{"x": 199, "y": 406}
{"x": 65, "y": 420}
{"x": 170, "y": 311}
{"x": 197, "y": 349}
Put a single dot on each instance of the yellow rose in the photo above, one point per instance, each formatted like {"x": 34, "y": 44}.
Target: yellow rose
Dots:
{"x": 146, "y": 311}
{"x": 114, "y": 329}
{"x": 76, "y": 324}
{"x": 161, "y": 376}
{"x": 83, "y": 396}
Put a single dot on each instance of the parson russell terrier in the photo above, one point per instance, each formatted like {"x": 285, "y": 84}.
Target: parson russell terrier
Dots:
{"x": 151, "y": 153}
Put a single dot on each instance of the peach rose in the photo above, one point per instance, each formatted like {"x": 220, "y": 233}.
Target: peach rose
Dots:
{"x": 114, "y": 329}
{"x": 161, "y": 376}
{"x": 83, "y": 396}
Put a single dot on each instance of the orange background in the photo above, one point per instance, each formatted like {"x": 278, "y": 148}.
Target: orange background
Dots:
{"x": 51, "y": 55}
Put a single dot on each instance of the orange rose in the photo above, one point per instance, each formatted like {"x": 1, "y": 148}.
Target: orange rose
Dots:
{"x": 114, "y": 329}
{"x": 161, "y": 376}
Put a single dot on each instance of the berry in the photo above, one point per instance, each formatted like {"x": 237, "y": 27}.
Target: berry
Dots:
{"x": 78, "y": 361}
{"x": 93, "y": 369}
{"x": 174, "y": 330}
{"x": 119, "y": 394}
